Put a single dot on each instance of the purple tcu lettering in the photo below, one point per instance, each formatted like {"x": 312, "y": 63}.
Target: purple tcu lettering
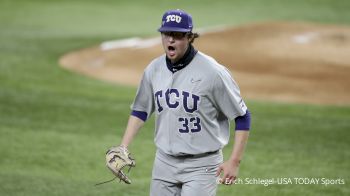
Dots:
{"x": 174, "y": 104}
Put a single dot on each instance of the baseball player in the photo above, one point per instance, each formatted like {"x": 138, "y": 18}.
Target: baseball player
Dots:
{"x": 193, "y": 98}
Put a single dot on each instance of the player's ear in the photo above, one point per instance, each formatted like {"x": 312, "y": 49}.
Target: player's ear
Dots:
{"x": 190, "y": 37}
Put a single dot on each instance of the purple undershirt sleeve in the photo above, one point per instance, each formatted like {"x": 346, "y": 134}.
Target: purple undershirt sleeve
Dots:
{"x": 243, "y": 122}
{"x": 139, "y": 114}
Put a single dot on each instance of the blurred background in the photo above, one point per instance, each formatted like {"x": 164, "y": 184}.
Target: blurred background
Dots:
{"x": 55, "y": 125}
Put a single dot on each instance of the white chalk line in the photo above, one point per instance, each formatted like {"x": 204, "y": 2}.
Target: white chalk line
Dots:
{"x": 305, "y": 38}
{"x": 139, "y": 43}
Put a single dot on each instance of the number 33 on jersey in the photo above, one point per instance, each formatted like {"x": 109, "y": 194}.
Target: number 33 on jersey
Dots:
{"x": 174, "y": 99}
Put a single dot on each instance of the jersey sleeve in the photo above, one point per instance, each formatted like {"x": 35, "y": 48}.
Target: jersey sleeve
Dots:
{"x": 143, "y": 101}
{"x": 227, "y": 95}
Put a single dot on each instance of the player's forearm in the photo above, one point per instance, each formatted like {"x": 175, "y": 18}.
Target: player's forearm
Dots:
{"x": 133, "y": 127}
{"x": 241, "y": 138}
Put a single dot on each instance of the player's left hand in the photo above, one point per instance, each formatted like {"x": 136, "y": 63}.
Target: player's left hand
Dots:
{"x": 229, "y": 171}
{"x": 117, "y": 158}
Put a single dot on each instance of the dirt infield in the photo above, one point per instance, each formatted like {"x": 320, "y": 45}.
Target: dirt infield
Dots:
{"x": 285, "y": 62}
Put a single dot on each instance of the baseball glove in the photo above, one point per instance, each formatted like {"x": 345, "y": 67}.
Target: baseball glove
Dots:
{"x": 117, "y": 158}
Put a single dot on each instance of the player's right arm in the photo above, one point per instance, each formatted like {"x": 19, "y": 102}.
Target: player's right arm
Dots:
{"x": 141, "y": 109}
{"x": 132, "y": 128}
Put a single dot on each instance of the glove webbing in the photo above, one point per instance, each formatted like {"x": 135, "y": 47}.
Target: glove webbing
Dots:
{"x": 111, "y": 179}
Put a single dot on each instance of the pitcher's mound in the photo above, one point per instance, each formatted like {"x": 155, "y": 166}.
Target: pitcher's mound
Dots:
{"x": 290, "y": 62}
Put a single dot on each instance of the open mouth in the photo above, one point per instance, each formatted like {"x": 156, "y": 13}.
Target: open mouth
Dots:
{"x": 171, "y": 51}
{"x": 171, "y": 48}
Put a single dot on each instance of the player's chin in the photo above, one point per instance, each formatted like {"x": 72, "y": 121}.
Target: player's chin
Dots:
{"x": 171, "y": 56}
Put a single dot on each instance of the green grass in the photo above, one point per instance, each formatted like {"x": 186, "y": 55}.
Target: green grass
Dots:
{"x": 55, "y": 125}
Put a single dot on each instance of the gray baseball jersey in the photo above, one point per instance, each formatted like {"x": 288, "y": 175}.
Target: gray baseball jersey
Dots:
{"x": 192, "y": 106}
